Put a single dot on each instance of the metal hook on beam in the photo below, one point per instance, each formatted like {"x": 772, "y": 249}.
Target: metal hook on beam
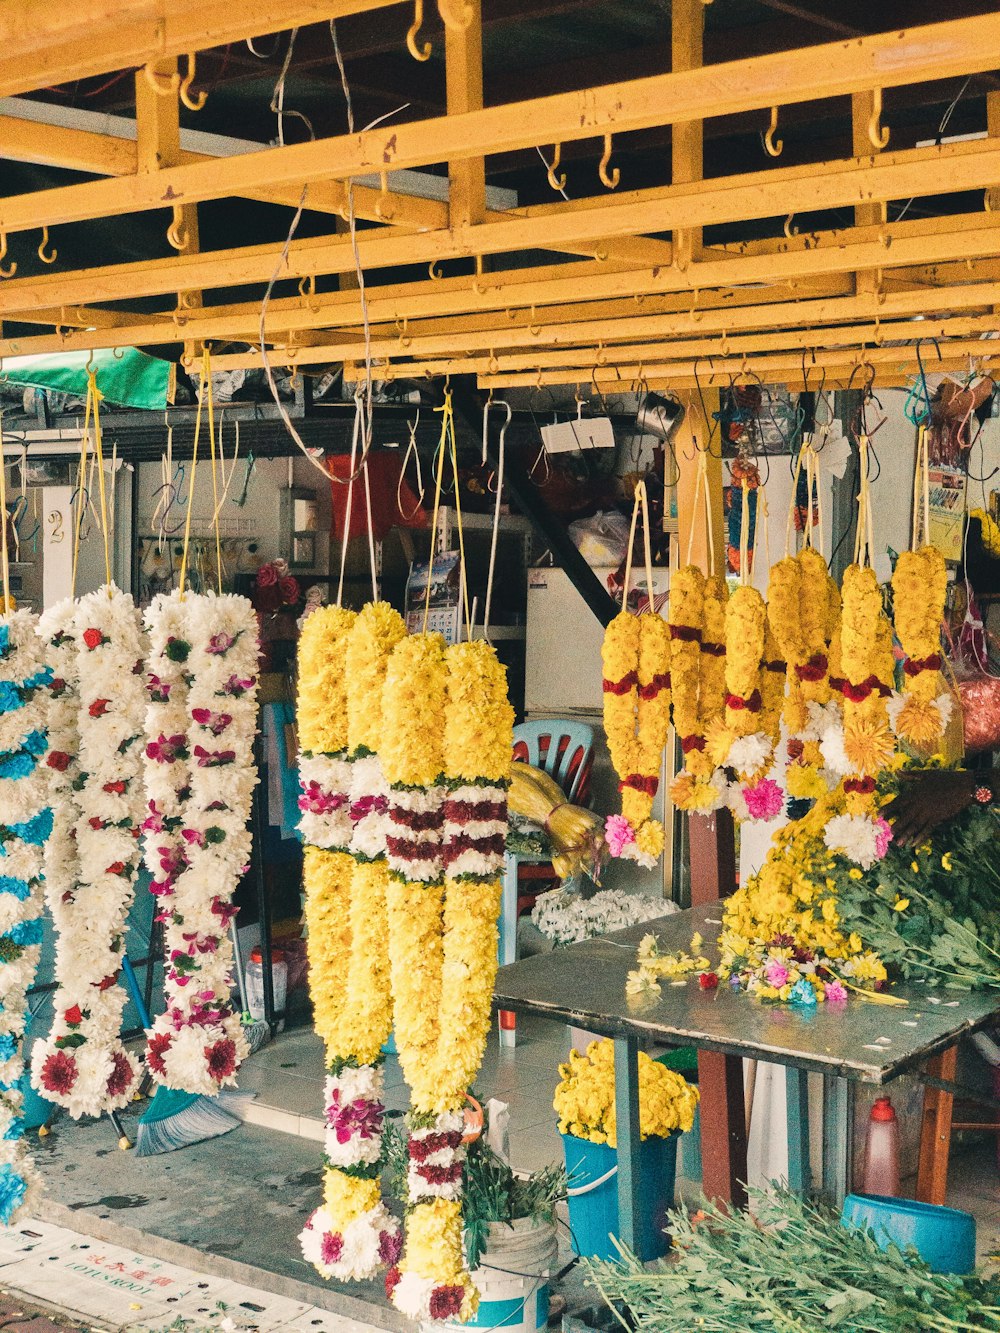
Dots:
{"x": 609, "y": 178}
{"x": 193, "y": 101}
{"x": 877, "y": 132}
{"x": 557, "y": 182}
{"x": 11, "y": 268}
{"x": 773, "y": 146}
{"x": 165, "y": 85}
{"x": 417, "y": 51}
{"x": 45, "y": 254}
{"x": 177, "y": 233}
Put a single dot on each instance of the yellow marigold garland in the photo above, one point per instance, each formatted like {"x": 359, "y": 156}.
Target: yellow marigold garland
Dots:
{"x": 413, "y": 711}
{"x": 469, "y": 968}
{"x": 620, "y": 663}
{"x": 867, "y": 666}
{"x": 327, "y": 879}
{"x": 321, "y": 707}
{"x": 920, "y": 586}
{"x": 712, "y": 673}
{"x": 784, "y": 611}
{"x": 692, "y": 789}
{"x": 379, "y": 627}
{"x": 479, "y": 721}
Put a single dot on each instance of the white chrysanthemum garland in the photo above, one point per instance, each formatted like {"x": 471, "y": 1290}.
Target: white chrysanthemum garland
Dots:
{"x": 26, "y": 824}
{"x": 96, "y": 648}
{"x": 200, "y": 776}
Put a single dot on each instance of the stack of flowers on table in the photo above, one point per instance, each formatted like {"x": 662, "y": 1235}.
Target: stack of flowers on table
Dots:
{"x": 342, "y": 664}
{"x": 95, "y": 650}
{"x": 565, "y": 917}
{"x": 448, "y": 732}
{"x": 815, "y": 926}
{"x": 25, "y": 824}
{"x": 201, "y": 711}
{"x": 585, "y": 1097}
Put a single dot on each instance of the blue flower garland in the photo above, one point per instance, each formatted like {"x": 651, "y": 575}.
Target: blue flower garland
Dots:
{"x": 23, "y": 674}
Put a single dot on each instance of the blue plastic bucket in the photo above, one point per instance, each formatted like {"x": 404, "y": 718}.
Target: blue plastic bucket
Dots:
{"x": 593, "y": 1196}
{"x": 945, "y": 1238}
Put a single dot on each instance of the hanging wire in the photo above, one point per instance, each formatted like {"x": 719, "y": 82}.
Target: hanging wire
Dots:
{"x": 942, "y": 126}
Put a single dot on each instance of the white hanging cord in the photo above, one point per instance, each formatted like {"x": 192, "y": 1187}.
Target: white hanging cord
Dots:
{"x": 411, "y": 448}
{"x": 496, "y": 508}
{"x": 371, "y": 530}
{"x": 355, "y": 437}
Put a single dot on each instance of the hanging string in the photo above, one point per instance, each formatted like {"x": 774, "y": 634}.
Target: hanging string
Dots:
{"x": 4, "y": 553}
{"x": 190, "y": 500}
{"x": 761, "y": 534}
{"x": 790, "y": 524}
{"x": 640, "y": 504}
{"x": 411, "y": 448}
{"x": 463, "y": 576}
{"x": 921, "y": 491}
{"x": 94, "y": 394}
{"x": 206, "y": 382}
{"x": 702, "y": 490}
{"x": 745, "y": 533}
{"x": 81, "y": 501}
{"x": 355, "y": 439}
{"x": 371, "y": 530}
{"x": 864, "y": 542}
{"x": 439, "y": 474}
{"x": 495, "y": 534}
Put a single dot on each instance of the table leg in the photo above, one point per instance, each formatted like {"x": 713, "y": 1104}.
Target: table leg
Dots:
{"x": 627, "y": 1125}
{"x": 838, "y": 1138}
{"x": 797, "y": 1114}
{"x": 723, "y": 1128}
{"x": 935, "y": 1131}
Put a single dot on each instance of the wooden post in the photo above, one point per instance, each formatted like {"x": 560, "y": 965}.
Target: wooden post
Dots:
{"x": 935, "y": 1132}
{"x": 687, "y": 32}
{"x": 463, "y": 52}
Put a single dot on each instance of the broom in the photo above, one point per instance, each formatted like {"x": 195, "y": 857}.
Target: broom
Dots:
{"x": 173, "y": 1119}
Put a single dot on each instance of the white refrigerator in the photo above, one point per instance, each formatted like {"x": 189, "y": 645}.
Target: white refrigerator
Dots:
{"x": 563, "y": 679}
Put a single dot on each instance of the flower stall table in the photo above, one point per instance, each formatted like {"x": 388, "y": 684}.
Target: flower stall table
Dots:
{"x": 584, "y": 984}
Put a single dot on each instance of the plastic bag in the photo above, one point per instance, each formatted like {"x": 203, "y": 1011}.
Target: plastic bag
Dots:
{"x": 603, "y": 539}
{"x": 978, "y": 688}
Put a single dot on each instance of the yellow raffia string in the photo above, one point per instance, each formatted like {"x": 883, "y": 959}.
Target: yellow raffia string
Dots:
{"x": 745, "y": 533}
{"x": 449, "y": 421}
{"x": 864, "y": 542}
{"x": 790, "y": 523}
{"x": 80, "y": 491}
{"x": 437, "y": 505}
{"x": 4, "y": 553}
{"x": 206, "y": 377}
{"x": 190, "y": 503}
{"x": 94, "y": 396}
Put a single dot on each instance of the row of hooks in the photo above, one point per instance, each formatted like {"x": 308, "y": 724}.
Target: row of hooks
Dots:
{"x": 878, "y": 133}
{"x": 172, "y": 85}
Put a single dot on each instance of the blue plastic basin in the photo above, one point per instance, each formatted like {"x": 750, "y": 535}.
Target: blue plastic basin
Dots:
{"x": 945, "y": 1238}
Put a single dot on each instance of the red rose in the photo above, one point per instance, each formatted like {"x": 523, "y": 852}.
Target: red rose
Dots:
{"x": 99, "y": 707}
{"x": 708, "y": 981}
{"x": 116, "y": 868}
{"x": 107, "y": 982}
{"x": 96, "y": 823}
{"x": 288, "y": 587}
{"x": 58, "y": 760}
{"x": 267, "y": 576}
{"x": 74, "y": 1015}
{"x": 115, "y": 788}
{"x": 93, "y": 638}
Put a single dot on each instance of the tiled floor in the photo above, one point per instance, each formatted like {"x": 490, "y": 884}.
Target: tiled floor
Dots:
{"x": 287, "y": 1078}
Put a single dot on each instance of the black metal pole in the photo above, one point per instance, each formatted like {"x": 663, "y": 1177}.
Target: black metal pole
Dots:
{"x": 549, "y": 527}
{"x": 263, "y": 905}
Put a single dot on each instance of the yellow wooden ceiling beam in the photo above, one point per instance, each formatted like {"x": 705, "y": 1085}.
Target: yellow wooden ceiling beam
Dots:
{"x": 960, "y": 46}
{"x": 256, "y": 264}
{"x": 45, "y": 42}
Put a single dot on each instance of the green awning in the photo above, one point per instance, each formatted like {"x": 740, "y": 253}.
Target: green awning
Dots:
{"x": 125, "y": 376}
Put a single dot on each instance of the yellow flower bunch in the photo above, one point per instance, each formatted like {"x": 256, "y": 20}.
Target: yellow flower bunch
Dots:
{"x": 686, "y": 608}
{"x": 990, "y": 531}
{"x": 376, "y": 631}
{"x": 434, "y": 1250}
{"x": 326, "y": 877}
{"x": 746, "y": 620}
{"x": 414, "y": 699}
{"x": 620, "y": 664}
{"x": 712, "y": 682}
{"x": 585, "y": 1097}
{"x": 321, "y": 709}
{"x": 636, "y": 656}
{"x": 479, "y": 720}
{"x": 784, "y": 613}
{"x": 653, "y": 965}
{"x": 867, "y": 664}
{"x": 415, "y": 958}
{"x": 920, "y": 586}
{"x": 366, "y": 1018}
{"x": 468, "y": 971}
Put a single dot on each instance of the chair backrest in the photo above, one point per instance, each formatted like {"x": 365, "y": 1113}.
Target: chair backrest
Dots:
{"x": 561, "y": 747}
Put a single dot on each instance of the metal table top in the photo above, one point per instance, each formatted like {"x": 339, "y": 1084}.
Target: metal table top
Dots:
{"x": 584, "y": 984}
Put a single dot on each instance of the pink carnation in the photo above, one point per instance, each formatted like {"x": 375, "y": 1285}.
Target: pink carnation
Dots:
{"x": 765, "y": 800}
{"x": 619, "y": 834}
{"x": 883, "y": 836}
{"x": 776, "y": 974}
{"x": 836, "y": 992}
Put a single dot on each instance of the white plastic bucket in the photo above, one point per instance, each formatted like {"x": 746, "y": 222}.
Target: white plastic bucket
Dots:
{"x": 255, "y": 982}
{"x": 512, "y": 1279}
